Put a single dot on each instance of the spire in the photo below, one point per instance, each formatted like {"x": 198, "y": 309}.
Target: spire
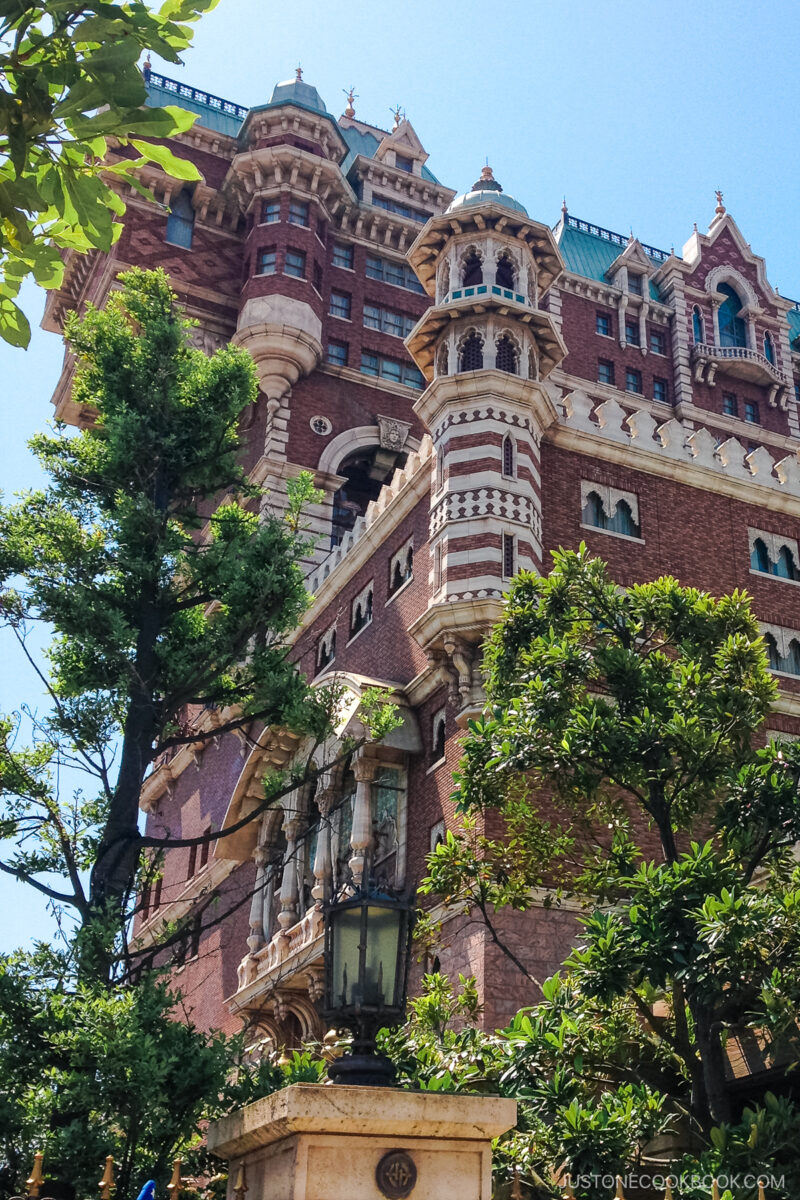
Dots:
{"x": 352, "y": 95}
{"x": 720, "y": 209}
{"x": 298, "y": 71}
{"x": 564, "y": 209}
{"x": 487, "y": 181}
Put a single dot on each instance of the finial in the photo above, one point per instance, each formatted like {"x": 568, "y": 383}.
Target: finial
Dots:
{"x": 399, "y": 115}
{"x": 630, "y": 235}
{"x": 564, "y": 207}
{"x": 486, "y": 173}
{"x": 695, "y": 226}
{"x": 298, "y": 74}
{"x": 352, "y": 95}
{"x": 107, "y": 1182}
{"x": 34, "y": 1184}
{"x": 175, "y": 1185}
{"x": 720, "y": 209}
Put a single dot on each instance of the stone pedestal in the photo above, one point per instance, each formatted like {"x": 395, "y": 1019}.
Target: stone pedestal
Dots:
{"x": 316, "y": 1142}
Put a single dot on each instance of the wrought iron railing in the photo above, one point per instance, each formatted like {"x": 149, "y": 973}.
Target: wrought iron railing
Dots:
{"x": 617, "y": 239}
{"x": 184, "y": 92}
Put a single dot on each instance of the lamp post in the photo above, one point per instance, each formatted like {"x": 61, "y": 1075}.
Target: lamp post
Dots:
{"x": 367, "y": 952}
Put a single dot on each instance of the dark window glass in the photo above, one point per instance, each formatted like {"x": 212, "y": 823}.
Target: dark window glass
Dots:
{"x": 621, "y": 522}
{"x": 471, "y": 356}
{"x": 785, "y": 567}
{"x": 751, "y": 412}
{"x": 295, "y": 263}
{"x": 270, "y": 212}
{"x": 605, "y": 371}
{"x": 506, "y": 356}
{"x": 697, "y": 326}
{"x": 472, "y": 271}
{"x": 759, "y": 558}
{"x": 403, "y": 163}
{"x": 298, "y": 212}
{"x": 660, "y": 390}
{"x": 389, "y": 271}
{"x": 602, "y": 324}
{"x": 402, "y": 571}
{"x": 632, "y": 333}
{"x": 769, "y": 350}
{"x": 504, "y": 276}
{"x": 633, "y": 381}
{"x": 340, "y": 305}
{"x": 438, "y": 747}
{"x": 402, "y": 210}
{"x": 732, "y": 331}
{"x": 343, "y": 256}
{"x": 508, "y": 455}
{"x": 508, "y": 555}
{"x": 730, "y": 405}
{"x": 267, "y": 260}
{"x": 658, "y": 342}
{"x": 337, "y": 353}
{"x": 180, "y": 220}
{"x": 634, "y": 284}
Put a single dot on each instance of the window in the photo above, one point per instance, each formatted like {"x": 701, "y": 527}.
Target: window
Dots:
{"x": 389, "y": 368}
{"x": 506, "y": 357}
{"x": 508, "y": 555}
{"x": 439, "y": 469}
{"x": 730, "y": 405}
{"x": 326, "y": 649}
{"x": 318, "y": 277}
{"x": 270, "y": 212}
{"x": 797, "y": 392}
{"x": 337, "y": 353}
{"x": 267, "y": 260}
{"x": 437, "y": 567}
{"x": 658, "y": 342}
{"x": 509, "y": 456}
{"x": 298, "y": 212}
{"x": 632, "y": 333}
{"x": 607, "y": 508}
{"x": 295, "y": 263}
{"x": 361, "y": 610}
{"x": 471, "y": 269}
{"x": 396, "y": 273}
{"x": 783, "y": 653}
{"x": 772, "y": 554}
{"x": 504, "y": 275}
{"x": 439, "y": 736}
{"x": 633, "y": 381}
{"x": 634, "y": 284}
{"x": 403, "y": 163}
{"x": 697, "y": 326}
{"x": 340, "y": 305}
{"x": 732, "y": 330}
{"x": 769, "y": 349}
{"x": 661, "y": 390}
{"x": 470, "y": 356}
{"x": 401, "y": 567}
{"x": 180, "y": 220}
{"x": 751, "y": 412}
{"x": 192, "y": 862}
{"x": 387, "y": 321}
{"x": 402, "y": 210}
{"x": 605, "y": 371}
{"x": 343, "y": 256}
{"x": 602, "y": 324}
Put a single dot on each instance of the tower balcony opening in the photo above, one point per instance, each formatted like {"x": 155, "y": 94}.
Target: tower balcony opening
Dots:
{"x": 366, "y": 470}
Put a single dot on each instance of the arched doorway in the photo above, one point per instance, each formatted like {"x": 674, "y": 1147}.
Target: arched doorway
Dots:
{"x": 366, "y": 471}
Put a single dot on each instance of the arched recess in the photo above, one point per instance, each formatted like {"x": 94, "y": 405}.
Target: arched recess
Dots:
{"x": 364, "y": 466}
{"x": 729, "y": 275}
{"x": 354, "y": 439}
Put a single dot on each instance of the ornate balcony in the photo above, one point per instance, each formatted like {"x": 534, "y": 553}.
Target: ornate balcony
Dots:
{"x": 742, "y": 363}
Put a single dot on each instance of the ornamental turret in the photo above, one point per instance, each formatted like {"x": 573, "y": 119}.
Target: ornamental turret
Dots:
{"x": 486, "y": 347}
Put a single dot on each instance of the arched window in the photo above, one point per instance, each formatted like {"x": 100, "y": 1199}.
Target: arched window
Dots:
{"x": 504, "y": 275}
{"x": 439, "y": 737}
{"x": 792, "y": 661}
{"x": 785, "y": 567}
{"x": 772, "y": 652}
{"x": 697, "y": 326}
{"x": 732, "y": 331}
{"x": 769, "y": 349}
{"x": 471, "y": 269}
{"x": 509, "y": 466}
{"x": 471, "y": 356}
{"x": 439, "y": 469}
{"x": 759, "y": 558}
{"x": 180, "y": 220}
{"x": 593, "y": 513}
{"x": 507, "y": 358}
{"x": 622, "y": 520}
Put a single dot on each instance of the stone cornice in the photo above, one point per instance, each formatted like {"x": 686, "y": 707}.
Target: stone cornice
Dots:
{"x": 485, "y": 387}
{"x": 606, "y": 293}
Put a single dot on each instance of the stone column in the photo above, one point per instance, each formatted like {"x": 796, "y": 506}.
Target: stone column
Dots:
{"x": 256, "y": 938}
{"x": 288, "y": 915}
{"x": 361, "y": 836}
{"x": 323, "y": 869}
{"x": 312, "y": 1142}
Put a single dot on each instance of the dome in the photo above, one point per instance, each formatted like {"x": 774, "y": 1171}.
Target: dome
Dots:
{"x": 487, "y": 190}
{"x": 295, "y": 91}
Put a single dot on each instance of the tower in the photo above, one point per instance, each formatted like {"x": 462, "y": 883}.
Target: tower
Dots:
{"x": 486, "y": 347}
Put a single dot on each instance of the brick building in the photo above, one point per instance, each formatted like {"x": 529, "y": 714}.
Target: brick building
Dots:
{"x": 472, "y": 388}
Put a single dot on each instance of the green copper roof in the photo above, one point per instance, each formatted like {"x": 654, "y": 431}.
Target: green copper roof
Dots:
{"x": 223, "y": 116}
{"x": 294, "y": 91}
{"x": 486, "y": 197}
{"x": 794, "y": 323}
{"x": 591, "y": 254}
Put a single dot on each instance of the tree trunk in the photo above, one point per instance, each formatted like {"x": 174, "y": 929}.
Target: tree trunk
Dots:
{"x": 716, "y": 1102}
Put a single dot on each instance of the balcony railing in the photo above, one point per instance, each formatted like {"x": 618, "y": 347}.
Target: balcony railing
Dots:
{"x": 486, "y": 289}
{"x": 736, "y": 360}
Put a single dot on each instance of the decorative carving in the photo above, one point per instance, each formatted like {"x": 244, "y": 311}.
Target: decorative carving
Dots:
{"x": 393, "y": 433}
{"x": 396, "y": 1174}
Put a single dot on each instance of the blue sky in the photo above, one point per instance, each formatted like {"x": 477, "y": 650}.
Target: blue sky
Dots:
{"x": 634, "y": 110}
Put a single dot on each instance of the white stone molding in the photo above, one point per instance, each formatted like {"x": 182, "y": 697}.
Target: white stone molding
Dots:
{"x": 393, "y": 433}
{"x": 774, "y": 542}
{"x": 609, "y": 498}
{"x": 729, "y": 275}
{"x": 325, "y": 654}
{"x": 361, "y": 609}
{"x": 783, "y": 636}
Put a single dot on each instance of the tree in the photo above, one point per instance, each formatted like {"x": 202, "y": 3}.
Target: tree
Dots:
{"x": 160, "y": 614}
{"x": 621, "y": 745}
{"x": 69, "y": 83}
